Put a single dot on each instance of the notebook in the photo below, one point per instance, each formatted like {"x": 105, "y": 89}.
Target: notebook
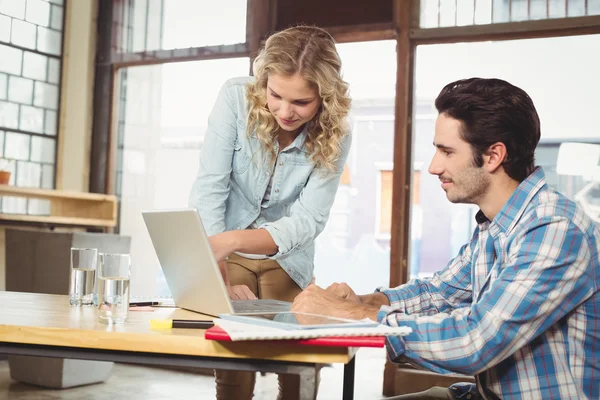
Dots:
{"x": 217, "y": 333}
{"x": 242, "y": 331}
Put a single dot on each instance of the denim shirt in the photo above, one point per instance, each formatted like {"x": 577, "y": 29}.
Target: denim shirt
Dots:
{"x": 233, "y": 176}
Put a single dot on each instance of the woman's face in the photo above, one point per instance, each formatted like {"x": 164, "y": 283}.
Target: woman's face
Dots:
{"x": 291, "y": 100}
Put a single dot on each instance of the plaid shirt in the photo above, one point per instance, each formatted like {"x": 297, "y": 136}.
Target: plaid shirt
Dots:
{"x": 518, "y": 307}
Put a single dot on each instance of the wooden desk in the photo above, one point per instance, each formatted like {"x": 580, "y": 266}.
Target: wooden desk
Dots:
{"x": 46, "y": 325}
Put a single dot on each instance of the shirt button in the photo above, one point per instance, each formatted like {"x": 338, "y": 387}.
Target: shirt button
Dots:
{"x": 281, "y": 164}
{"x": 276, "y": 190}
{"x": 239, "y": 227}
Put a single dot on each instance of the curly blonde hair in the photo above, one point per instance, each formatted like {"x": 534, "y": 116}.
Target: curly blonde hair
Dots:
{"x": 311, "y": 53}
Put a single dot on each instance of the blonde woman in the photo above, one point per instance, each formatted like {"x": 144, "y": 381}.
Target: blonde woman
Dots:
{"x": 270, "y": 166}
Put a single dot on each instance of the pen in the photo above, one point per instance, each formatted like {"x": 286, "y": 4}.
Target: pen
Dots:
{"x": 144, "y": 303}
{"x": 180, "y": 323}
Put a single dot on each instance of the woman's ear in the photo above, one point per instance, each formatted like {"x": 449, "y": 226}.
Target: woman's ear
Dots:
{"x": 494, "y": 157}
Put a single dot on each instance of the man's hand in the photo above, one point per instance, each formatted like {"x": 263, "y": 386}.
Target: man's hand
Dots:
{"x": 315, "y": 300}
{"x": 240, "y": 292}
{"x": 223, "y": 244}
{"x": 344, "y": 291}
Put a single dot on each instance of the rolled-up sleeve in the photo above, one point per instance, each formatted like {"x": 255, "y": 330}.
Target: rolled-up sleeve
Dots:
{"x": 543, "y": 280}
{"x": 310, "y": 212}
{"x": 211, "y": 187}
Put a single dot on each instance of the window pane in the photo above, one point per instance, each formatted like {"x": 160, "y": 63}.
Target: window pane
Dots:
{"x": 14, "y": 8}
{"x": 14, "y": 205}
{"x": 49, "y": 41}
{"x": 164, "y": 117}
{"x": 23, "y": 34}
{"x": 56, "y": 20}
{"x": 9, "y": 115}
{"x": 28, "y": 174}
{"x": 42, "y": 149}
{"x": 17, "y": 146}
{"x": 31, "y": 119}
{"x": 20, "y": 90}
{"x": 3, "y": 86}
{"x": 5, "y": 27}
{"x": 47, "y": 176}
{"x": 34, "y": 66}
{"x": 38, "y": 207}
{"x": 53, "y": 70}
{"x": 46, "y": 95}
{"x": 29, "y": 91}
{"x": 442, "y": 13}
{"x": 50, "y": 123}
{"x": 1, "y": 143}
{"x": 38, "y": 12}
{"x": 357, "y": 233}
{"x": 567, "y": 117}
{"x": 184, "y": 23}
{"x": 10, "y": 60}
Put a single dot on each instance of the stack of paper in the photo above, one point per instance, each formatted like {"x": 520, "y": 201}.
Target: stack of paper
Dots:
{"x": 242, "y": 331}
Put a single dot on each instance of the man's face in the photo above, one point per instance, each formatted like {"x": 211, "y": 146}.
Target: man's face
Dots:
{"x": 462, "y": 181}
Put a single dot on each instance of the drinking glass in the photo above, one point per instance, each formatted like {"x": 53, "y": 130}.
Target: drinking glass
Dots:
{"x": 83, "y": 276}
{"x": 113, "y": 287}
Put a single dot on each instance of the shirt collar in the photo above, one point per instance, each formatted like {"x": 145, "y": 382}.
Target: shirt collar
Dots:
{"x": 512, "y": 210}
{"x": 301, "y": 138}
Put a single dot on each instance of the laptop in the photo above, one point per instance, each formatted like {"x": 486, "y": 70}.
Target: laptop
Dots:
{"x": 190, "y": 267}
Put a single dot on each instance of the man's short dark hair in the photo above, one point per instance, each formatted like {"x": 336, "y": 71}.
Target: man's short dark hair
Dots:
{"x": 492, "y": 111}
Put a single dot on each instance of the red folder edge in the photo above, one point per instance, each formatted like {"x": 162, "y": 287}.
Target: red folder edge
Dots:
{"x": 217, "y": 333}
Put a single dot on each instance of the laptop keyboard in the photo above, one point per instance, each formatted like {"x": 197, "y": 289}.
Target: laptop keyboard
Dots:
{"x": 261, "y": 305}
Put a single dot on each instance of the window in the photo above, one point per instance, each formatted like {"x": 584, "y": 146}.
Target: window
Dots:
{"x": 161, "y": 122}
{"x": 549, "y": 70}
{"x": 351, "y": 242}
{"x": 445, "y": 13}
{"x": 31, "y": 34}
{"x": 176, "y": 24}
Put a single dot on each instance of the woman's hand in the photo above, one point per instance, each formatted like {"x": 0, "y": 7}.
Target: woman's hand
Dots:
{"x": 240, "y": 292}
{"x": 223, "y": 244}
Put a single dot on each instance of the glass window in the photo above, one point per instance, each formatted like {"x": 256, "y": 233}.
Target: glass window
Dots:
{"x": 38, "y": 12}
{"x": 29, "y": 93}
{"x": 50, "y": 122}
{"x": 162, "y": 118}
{"x": 174, "y": 24}
{"x": 35, "y": 66}
{"x": 17, "y": 146}
{"x": 13, "y": 8}
{"x": 444, "y": 13}
{"x": 31, "y": 119}
{"x": 28, "y": 174}
{"x": 49, "y": 41}
{"x": 357, "y": 233}
{"x": 46, "y": 95}
{"x": 23, "y": 34}
{"x": 56, "y": 20}
{"x": 5, "y": 27}
{"x": 42, "y": 149}
{"x": 3, "y": 86}
{"x": 20, "y": 90}
{"x": 9, "y": 115}
{"x": 53, "y": 70}
{"x": 10, "y": 60}
{"x": 549, "y": 70}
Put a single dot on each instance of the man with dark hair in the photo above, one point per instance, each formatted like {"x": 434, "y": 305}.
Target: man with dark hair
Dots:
{"x": 519, "y": 306}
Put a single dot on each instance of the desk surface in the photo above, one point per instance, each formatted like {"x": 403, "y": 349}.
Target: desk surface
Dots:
{"x": 44, "y": 319}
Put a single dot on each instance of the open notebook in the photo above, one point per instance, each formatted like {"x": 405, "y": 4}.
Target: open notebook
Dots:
{"x": 242, "y": 331}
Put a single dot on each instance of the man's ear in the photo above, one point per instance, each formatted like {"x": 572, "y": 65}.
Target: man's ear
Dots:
{"x": 494, "y": 157}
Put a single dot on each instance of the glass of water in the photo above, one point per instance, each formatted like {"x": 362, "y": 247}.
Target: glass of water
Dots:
{"x": 113, "y": 287}
{"x": 83, "y": 276}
